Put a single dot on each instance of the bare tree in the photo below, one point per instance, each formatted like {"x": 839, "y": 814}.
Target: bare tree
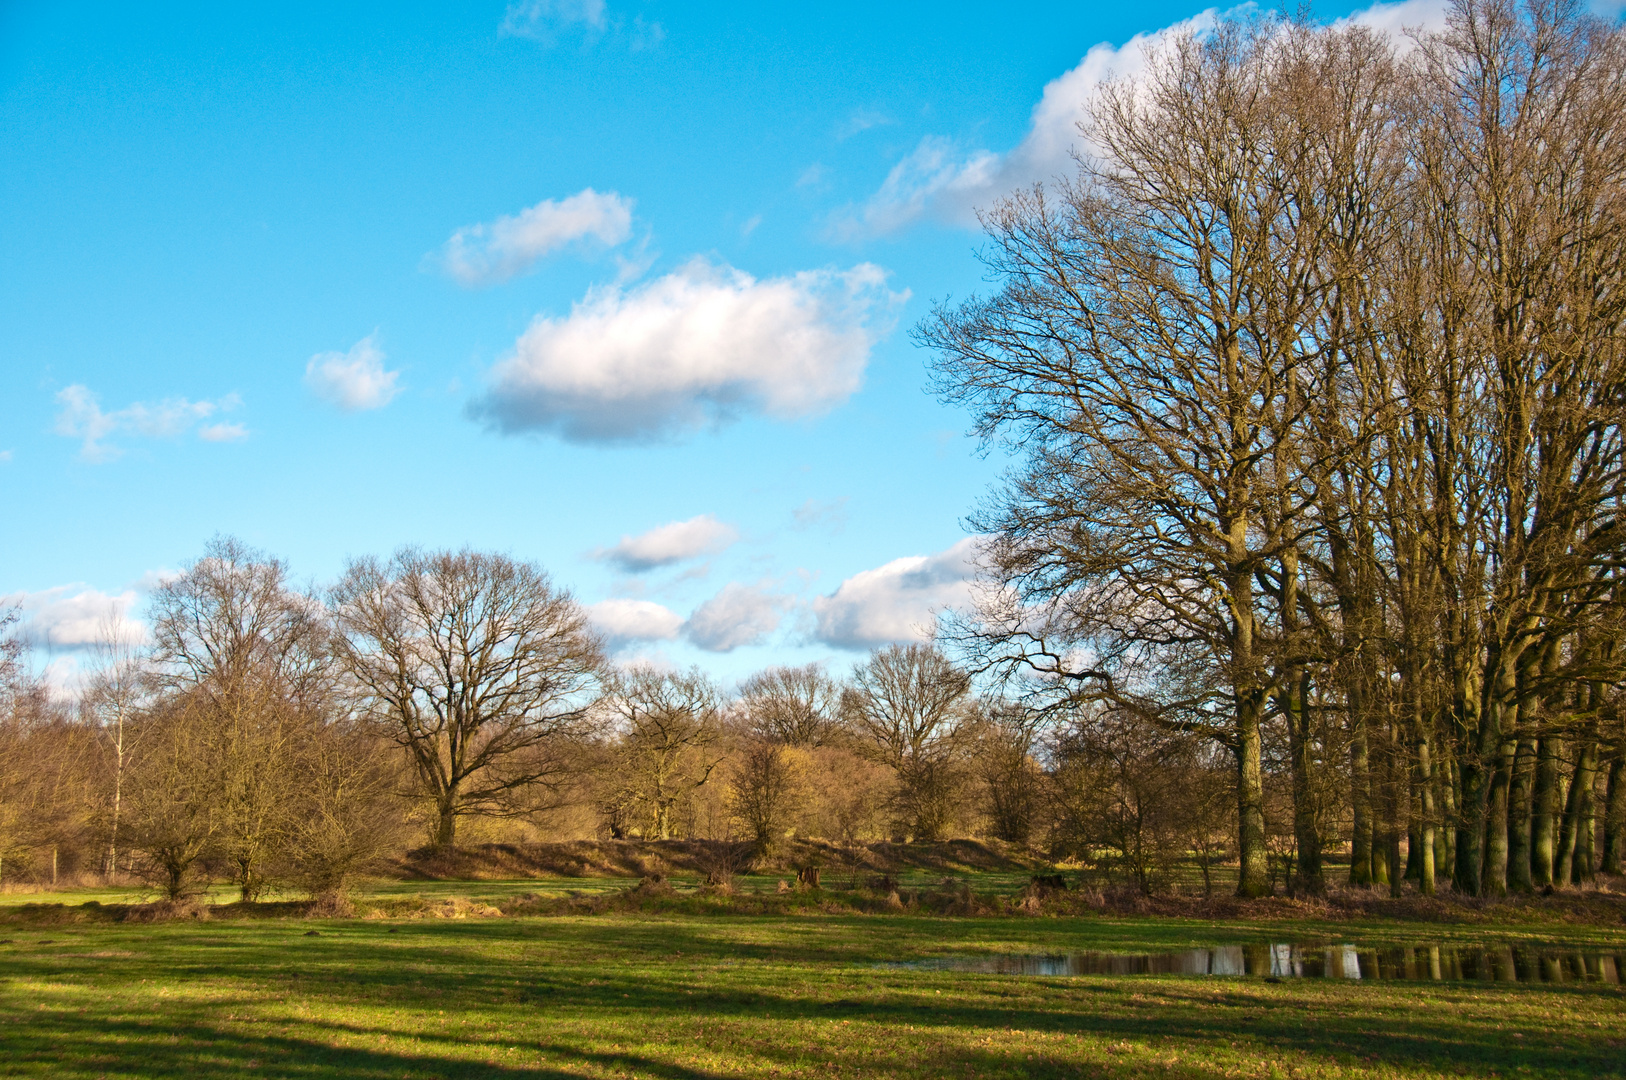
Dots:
{"x": 175, "y": 794}
{"x": 909, "y": 706}
{"x": 476, "y": 663}
{"x": 1011, "y": 775}
{"x": 1122, "y": 790}
{"x": 248, "y": 655}
{"x": 1153, "y": 354}
{"x": 765, "y": 791}
{"x": 669, "y": 724}
{"x": 793, "y": 706}
{"x": 348, "y": 815}
{"x": 117, "y": 689}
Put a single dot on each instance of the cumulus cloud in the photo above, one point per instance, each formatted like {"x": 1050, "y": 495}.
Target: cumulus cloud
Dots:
{"x": 624, "y": 621}
{"x": 949, "y": 181}
{"x": 81, "y": 417}
{"x": 353, "y": 380}
{"x": 497, "y": 250}
{"x": 702, "y": 344}
{"x": 738, "y": 615}
{"x": 898, "y": 601}
{"x": 69, "y": 618}
{"x": 674, "y": 542}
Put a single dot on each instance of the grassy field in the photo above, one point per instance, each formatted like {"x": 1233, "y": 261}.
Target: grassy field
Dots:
{"x": 685, "y": 997}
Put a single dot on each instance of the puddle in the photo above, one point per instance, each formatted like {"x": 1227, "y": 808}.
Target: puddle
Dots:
{"x": 1286, "y": 961}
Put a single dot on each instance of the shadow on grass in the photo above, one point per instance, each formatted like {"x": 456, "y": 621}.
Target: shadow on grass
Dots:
{"x": 672, "y": 988}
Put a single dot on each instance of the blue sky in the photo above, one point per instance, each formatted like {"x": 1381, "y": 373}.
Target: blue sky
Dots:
{"x": 620, "y": 287}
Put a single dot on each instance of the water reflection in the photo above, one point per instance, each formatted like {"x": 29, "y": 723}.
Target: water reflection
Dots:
{"x": 1291, "y": 961}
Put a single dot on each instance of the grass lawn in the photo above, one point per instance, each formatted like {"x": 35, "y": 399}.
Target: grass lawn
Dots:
{"x": 716, "y": 996}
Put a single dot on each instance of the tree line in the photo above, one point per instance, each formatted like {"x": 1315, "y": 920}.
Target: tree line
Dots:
{"x": 270, "y": 735}
{"x": 1314, "y": 376}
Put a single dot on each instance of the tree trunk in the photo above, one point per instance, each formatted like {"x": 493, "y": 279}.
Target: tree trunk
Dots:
{"x": 1519, "y": 806}
{"x": 1445, "y": 839}
{"x": 1360, "y": 797}
{"x": 446, "y": 825}
{"x": 1253, "y": 877}
{"x": 1493, "y": 880}
{"x": 1574, "y": 862}
{"x": 1473, "y": 787}
{"x": 1425, "y": 814}
{"x": 1544, "y": 813}
{"x": 1614, "y": 816}
{"x": 1294, "y": 700}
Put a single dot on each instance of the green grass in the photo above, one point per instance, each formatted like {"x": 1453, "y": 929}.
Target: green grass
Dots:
{"x": 219, "y": 893}
{"x": 686, "y": 998}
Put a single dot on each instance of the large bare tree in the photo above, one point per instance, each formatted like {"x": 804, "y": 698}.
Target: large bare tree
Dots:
{"x": 477, "y": 664}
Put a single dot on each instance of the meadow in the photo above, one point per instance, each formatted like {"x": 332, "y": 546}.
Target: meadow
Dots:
{"x": 690, "y": 993}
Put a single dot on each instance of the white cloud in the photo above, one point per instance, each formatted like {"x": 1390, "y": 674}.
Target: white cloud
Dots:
{"x": 5, "y": 457}
{"x": 673, "y": 542}
{"x": 1398, "y": 18}
{"x": 623, "y": 620}
{"x": 703, "y": 343}
{"x": 950, "y": 182}
{"x": 81, "y": 417}
{"x": 354, "y": 380}
{"x": 498, "y": 250}
{"x": 898, "y": 601}
{"x": 738, "y": 615}
{"x": 73, "y": 617}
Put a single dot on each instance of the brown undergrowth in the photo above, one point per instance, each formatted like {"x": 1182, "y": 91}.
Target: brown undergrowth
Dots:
{"x": 641, "y": 858}
{"x": 654, "y": 894}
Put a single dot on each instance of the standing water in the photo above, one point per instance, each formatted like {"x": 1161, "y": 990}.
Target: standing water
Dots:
{"x": 1510, "y": 963}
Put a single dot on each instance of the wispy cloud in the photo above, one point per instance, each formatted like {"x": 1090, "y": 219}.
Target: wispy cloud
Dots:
{"x": 862, "y": 121}
{"x": 354, "y": 380}
{"x": 223, "y": 432}
{"x": 549, "y": 22}
{"x": 81, "y": 417}
{"x": 533, "y": 17}
{"x": 495, "y": 251}
{"x": 831, "y": 513}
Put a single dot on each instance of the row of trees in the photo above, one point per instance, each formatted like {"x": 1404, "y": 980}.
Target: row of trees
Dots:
{"x": 268, "y": 734}
{"x": 1315, "y": 377}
